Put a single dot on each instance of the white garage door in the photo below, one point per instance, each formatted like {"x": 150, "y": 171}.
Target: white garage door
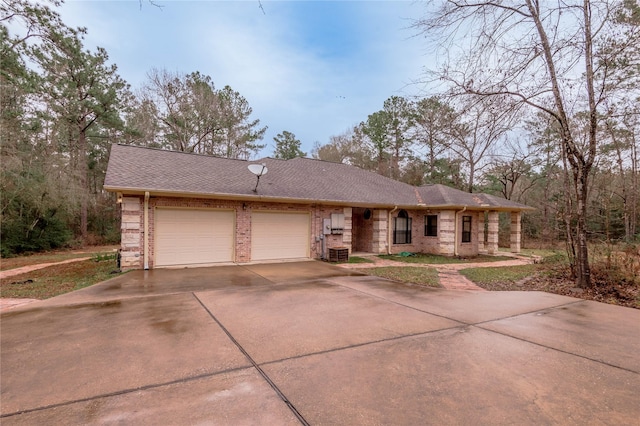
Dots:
{"x": 193, "y": 237}
{"x": 279, "y": 235}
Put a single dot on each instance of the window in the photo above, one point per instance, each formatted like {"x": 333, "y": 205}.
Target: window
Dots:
{"x": 431, "y": 225}
{"x": 466, "y": 229}
{"x": 402, "y": 228}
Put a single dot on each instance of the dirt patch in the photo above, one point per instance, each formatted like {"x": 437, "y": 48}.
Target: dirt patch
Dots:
{"x": 557, "y": 280}
{"x": 52, "y": 256}
{"x": 56, "y": 280}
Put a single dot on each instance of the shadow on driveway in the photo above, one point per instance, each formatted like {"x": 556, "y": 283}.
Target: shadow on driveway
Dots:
{"x": 310, "y": 343}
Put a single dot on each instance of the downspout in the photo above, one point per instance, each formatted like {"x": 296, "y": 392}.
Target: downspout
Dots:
{"x": 146, "y": 231}
{"x": 455, "y": 231}
{"x": 389, "y": 229}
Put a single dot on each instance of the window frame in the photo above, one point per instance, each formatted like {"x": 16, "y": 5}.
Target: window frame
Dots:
{"x": 466, "y": 234}
{"x": 431, "y": 229}
{"x": 402, "y": 234}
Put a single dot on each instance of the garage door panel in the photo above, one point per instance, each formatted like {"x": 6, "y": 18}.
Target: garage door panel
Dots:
{"x": 191, "y": 237}
{"x": 279, "y": 236}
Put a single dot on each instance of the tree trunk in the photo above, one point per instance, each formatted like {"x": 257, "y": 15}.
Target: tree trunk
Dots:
{"x": 83, "y": 173}
{"x": 568, "y": 215}
{"x": 546, "y": 219}
{"x": 583, "y": 271}
{"x": 634, "y": 188}
{"x": 623, "y": 181}
{"x": 580, "y": 164}
{"x": 472, "y": 172}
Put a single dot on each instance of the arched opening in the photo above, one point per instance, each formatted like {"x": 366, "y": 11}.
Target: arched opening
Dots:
{"x": 402, "y": 228}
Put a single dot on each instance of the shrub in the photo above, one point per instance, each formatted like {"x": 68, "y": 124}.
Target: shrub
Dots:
{"x": 19, "y": 236}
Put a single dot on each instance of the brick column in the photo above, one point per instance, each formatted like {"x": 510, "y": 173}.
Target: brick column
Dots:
{"x": 492, "y": 233}
{"x": 447, "y": 233}
{"x": 348, "y": 228}
{"x": 516, "y": 230}
{"x": 131, "y": 233}
{"x": 243, "y": 233}
{"x": 480, "y": 231}
{"x": 380, "y": 229}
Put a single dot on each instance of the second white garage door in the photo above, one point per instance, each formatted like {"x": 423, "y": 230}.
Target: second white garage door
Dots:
{"x": 279, "y": 235}
{"x": 193, "y": 237}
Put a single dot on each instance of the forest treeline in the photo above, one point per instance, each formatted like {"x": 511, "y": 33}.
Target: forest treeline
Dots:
{"x": 566, "y": 144}
{"x": 502, "y": 152}
{"x": 63, "y": 105}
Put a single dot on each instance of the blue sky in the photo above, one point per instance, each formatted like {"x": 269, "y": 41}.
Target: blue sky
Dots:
{"x": 314, "y": 68}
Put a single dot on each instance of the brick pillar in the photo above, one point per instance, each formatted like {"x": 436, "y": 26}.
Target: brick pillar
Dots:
{"x": 481, "y": 232}
{"x": 243, "y": 233}
{"x": 492, "y": 233}
{"x": 516, "y": 230}
{"x": 348, "y": 228}
{"x": 447, "y": 233}
{"x": 131, "y": 233}
{"x": 380, "y": 229}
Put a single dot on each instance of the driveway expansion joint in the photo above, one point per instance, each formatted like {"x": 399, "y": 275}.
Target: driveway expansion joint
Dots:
{"x": 439, "y": 368}
{"x": 599, "y": 361}
{"x": 400, "y": 304}
{"x": 365, "y": 344}
{"x": 264, "y": 375}
{"x": 124, "y": 392}
{"x": 519, "y": 314}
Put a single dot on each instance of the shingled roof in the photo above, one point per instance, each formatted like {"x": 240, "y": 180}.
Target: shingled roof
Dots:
{"x": 134, "y": 169}
{"x": 437, "y": 195}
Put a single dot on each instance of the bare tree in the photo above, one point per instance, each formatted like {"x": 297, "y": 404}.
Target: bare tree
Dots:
{"x": 622, "y": 131}
{"x": 186, "y": 107}
{"x": 349, "y": 147}
{"x": 513, "y": 172}
{"x": 557, "y": 57}
{"x": 191, "y": 115}
{"x": 480, "y": 125}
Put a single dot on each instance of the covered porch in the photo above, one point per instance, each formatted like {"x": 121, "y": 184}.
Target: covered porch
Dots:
{"x": 452, "y": 233}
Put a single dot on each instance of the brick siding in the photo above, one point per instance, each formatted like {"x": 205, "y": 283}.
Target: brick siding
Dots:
{"x": 361, "y": 235}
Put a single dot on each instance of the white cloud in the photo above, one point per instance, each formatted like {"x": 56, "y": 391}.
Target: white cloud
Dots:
{"x": 314, "y": 69}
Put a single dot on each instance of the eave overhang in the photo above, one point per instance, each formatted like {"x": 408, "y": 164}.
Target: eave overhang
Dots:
{"x": 273, "y": 199}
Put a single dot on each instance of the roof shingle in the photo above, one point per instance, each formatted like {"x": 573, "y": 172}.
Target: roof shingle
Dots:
{"x": 133, "y": 168}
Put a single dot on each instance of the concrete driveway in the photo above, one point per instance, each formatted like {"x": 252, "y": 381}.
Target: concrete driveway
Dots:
{"x": 313, "y": 343}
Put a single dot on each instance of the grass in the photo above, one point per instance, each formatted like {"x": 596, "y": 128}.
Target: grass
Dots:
{"x": 422, "y": 276}
{"x": 356, "y": 259}
{"x": 434, "y": 259}
{"x": 58, "y": 279}
{"x": 486, "y": 277}
{"x": 52, "y": 256}
{"x": 540, "y": 252}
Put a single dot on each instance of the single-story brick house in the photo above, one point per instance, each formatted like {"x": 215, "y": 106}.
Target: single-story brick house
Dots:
{"x": 182, "y": 209}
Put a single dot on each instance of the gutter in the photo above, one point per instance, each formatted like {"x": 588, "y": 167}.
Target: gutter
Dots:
{"x": 254, "y": 197}
{"x": 455, "y": 231}
{"x": 146, "y": 231}
{"x": 389, "y": 229}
